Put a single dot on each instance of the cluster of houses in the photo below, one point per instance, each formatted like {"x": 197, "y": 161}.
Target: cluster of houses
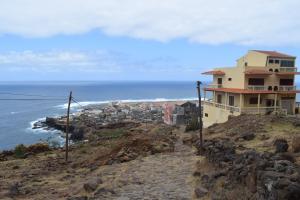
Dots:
{"x": 172, "y": 113}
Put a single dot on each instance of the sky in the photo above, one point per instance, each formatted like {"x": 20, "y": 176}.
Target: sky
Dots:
{"x": 149, "y": 40}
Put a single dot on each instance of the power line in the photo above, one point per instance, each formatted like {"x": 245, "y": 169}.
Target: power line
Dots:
{"x": 31, "y": 95}
{"x": 77, "y": 102}
{"x": 15, "y": 99}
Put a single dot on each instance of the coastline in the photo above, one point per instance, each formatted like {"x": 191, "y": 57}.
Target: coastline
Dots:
{"x": 122, "y": 111}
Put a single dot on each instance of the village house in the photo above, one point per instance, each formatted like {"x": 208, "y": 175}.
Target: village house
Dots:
{"x": 181, "y": 114}
{"x": 263, "y": 82}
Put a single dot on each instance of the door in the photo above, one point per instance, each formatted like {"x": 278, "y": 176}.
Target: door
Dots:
{"x": 219, "y": 98}
{"x": 288, "y": 105}
{"x": 220, "y": 82}
{"x": 231, "y": 100}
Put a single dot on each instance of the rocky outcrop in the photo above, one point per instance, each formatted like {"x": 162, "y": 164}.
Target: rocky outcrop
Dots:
{"x": 281, "y": 145}
{"x": 265, "y": 175}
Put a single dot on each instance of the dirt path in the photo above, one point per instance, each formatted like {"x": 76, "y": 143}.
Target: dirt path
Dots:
{"x": 160, "y": 176}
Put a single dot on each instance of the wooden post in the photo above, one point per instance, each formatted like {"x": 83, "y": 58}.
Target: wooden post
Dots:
{"x": 275, "y": 102}
{"x": 67, "y": 126}
{"x": 258, "y": 103}
{"x": 200, "y": 116}
{"x": 226, "y": 100}
{"x": 241, "y": 102}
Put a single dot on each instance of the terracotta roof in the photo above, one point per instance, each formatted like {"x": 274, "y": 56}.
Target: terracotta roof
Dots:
{"x": 246, "y": 91}
{"x": 287, "y": 73}
{"x": 257, "y": 72}
{"x": 214, "y": 72}
{"x": 275, "y": 54}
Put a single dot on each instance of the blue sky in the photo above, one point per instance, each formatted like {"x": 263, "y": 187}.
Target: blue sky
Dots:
{"x": 138, "y": 40}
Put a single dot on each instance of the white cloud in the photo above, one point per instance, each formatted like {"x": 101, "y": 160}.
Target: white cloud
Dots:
{"x": 59, "y": 61}
{"x": 100, "y": 62}
{"x": 267, "y": 22}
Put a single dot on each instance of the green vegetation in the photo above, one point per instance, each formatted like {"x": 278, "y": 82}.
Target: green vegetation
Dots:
{"x": 20, "y": 151}
{"x": 193, "y": 125}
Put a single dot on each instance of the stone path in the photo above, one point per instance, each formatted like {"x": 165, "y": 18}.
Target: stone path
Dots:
{"x": 160, "y": 176}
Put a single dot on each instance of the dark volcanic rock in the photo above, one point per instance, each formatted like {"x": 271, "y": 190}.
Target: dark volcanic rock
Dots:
{"x": 265, "y": 175}
{"x": 200, "y": 192}
{"x": 281, "y": 145}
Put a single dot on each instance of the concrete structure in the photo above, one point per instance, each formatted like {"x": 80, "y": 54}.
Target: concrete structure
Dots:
{"x": 179, "y": 114}
{"x": 262, "y": 82}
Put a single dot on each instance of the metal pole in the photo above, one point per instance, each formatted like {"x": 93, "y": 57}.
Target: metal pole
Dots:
{"x": 67, "y": 127}
{"x": 200, "y": 115}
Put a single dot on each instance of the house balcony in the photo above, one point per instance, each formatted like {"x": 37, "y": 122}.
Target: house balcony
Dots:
{"x": 287, "y": 69}
{"x": 257, "y": 87}
{"x": 246, "y": 110}
{"x": 214, "y": 86}
{"x": 280, "y": 88}
{"x": 221, "y": 106}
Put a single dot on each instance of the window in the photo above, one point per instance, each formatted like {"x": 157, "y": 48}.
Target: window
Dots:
{"x": 271, "y": 70}
{"x": 286, "y": 82}
{"x": 206, "y": 114}
{"x": 229, "y": 79}
{"x": 246, "y": 64}
{"x": 271, "y": 61}
{"x": 256, "y": 81}
{"x": 231, "y": 100}
{"x": 254, "y": 100}
{"x": 219, "y": 81}
{"x": 287, "y": 63}
{"x": 219, "y": 98}
{"x": 276, "y": 61}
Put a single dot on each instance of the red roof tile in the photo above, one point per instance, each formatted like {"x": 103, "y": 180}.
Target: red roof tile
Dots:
{"x": 214, "y": 72}
{"x": 257, "y": 72}
{"x": 287, "y": 73}
{"x": 275, "y": 54}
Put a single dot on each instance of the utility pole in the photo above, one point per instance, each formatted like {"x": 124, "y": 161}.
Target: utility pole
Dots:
{"x": 200, "y": 116}
{"x": 68, "y": 125}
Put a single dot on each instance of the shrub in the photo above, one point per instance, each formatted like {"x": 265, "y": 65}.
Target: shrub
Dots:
{"x": 193, "y": 125}
{"x": 20, "y": 151}
{"x": 38, "y": 148}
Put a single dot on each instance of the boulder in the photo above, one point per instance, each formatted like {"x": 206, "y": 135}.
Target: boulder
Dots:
{"x": 92, "y": 185}
{"x": 200, "y": 192}
{"x": 296, "y": 144}
{"x": 247, "y": 136}
{"x": 281, "y": 145}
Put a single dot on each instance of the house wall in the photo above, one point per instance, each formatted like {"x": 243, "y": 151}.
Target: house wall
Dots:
{"x": 235, "y": 73}
{"x": 253, "y": 59}
{"x": 270, "y": 80}
{"x": 215, "y": 115}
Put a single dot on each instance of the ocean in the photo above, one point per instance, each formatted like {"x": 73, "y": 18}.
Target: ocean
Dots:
{"x": 23, "y": 103}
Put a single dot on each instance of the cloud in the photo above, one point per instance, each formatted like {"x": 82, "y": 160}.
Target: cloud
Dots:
{"x": 265, "y": 22}
{"x": 59, "y": 61}
{"x": 99, "y": 62}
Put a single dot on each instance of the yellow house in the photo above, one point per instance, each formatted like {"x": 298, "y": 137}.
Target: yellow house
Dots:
{"x": 262, "y": 82}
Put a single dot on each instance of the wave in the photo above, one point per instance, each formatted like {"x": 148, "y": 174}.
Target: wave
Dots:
{"x": 87, "y": 103}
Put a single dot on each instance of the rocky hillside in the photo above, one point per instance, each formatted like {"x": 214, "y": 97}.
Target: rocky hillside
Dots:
{"x": 251, "y": 157}
{"x": 38, "y": 172}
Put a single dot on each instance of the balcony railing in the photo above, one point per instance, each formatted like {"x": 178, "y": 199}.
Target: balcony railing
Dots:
{"x": 257, "y": 87}
{"x": 287, "y": 69}
{"x": 287, "y": 88}
{"x": 214, "y": 86}
{"x": 279, "y": 88}
{"x": 222, "y": 106}
{"x": 247, "y": 110}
